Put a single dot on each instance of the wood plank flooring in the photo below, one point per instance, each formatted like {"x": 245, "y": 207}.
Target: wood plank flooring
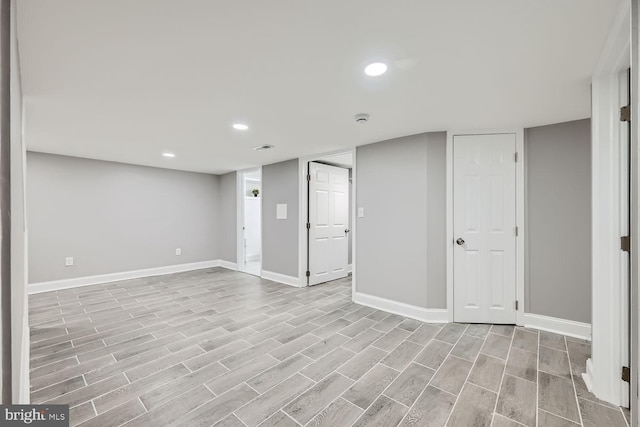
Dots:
{"x": 217, "y": 347}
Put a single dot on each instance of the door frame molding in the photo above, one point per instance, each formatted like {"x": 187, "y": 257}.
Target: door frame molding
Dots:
{"x": 303, "y": 194}
{"x": 520, "y": 217}
{"x": 240, "y": 264}
{"x": 604, "y": 367}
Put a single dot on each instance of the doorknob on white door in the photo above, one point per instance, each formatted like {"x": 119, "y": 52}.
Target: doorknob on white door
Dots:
{"x": 346, "y": 231}
{"x": 460, "y": 242}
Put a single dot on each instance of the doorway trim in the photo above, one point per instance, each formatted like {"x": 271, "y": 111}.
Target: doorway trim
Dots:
{"x": 303, "y": 195}
{"x": 520, "y": 217}
{"x": 240, "y": 255}
{"x": 603, "y": 370}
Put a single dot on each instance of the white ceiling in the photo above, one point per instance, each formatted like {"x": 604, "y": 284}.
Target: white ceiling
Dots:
{"x": 125, "y": 80}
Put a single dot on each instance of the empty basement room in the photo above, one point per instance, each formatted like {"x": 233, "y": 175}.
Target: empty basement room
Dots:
{"x": 294, "y": 213}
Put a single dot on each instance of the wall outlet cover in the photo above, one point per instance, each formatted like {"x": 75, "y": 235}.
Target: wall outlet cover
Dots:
{"x": 178, "y": 251}
{"x": 68, "y": 261}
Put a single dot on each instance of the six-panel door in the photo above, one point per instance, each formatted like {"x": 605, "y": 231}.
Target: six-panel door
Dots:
{"x": 484, "y": 225}
{"x": 329, "y": 222}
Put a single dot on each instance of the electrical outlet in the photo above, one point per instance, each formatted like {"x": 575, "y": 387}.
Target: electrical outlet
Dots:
{"x": 68, "y": 261}
{"x": 178, "y": 251}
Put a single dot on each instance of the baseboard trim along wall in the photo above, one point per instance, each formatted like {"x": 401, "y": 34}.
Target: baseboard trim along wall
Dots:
{"x": 559, "y": 326}
{"x": 228, "y": 265}
{"x": 36, "y": 288}
{"x": 431, "y": 315}
{"x": 281, "y": 278}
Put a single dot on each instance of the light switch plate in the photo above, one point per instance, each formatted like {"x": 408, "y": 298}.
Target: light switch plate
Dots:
{"x": 281, "y": 211}
{"x": 360, "y": 212}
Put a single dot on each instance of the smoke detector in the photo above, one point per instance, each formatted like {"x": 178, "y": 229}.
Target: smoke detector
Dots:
{"x": 361, "y": 118}
{"x": 263, "y": 147}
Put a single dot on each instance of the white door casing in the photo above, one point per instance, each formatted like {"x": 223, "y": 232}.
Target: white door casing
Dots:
{"x": 328, "y": 222}
{"x": 484, "y": 218}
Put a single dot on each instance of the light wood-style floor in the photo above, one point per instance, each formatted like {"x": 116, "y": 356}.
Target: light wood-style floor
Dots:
{"x": 217, "y": 347}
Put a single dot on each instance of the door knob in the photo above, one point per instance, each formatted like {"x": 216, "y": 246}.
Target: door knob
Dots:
{"x": 346, "y": 231}
{"x": 460, "y": 242}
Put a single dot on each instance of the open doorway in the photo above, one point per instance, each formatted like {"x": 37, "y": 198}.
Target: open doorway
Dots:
{"x": 250, "y": 238}
{"x": 328, "y": 217}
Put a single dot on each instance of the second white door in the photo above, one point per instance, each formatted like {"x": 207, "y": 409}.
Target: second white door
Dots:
{"x": 328, "y": 223}
{"x": 484, "y": 224}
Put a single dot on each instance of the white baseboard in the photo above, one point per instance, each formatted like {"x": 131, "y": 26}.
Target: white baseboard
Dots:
{"x": 588, "y": 376}
{"x": 281, "y": 278}
{"x": 559, "y": 326}
{"x": 431, "y": 315}
{"x": 36, "y": 288}
{"x": 228, "y": 265}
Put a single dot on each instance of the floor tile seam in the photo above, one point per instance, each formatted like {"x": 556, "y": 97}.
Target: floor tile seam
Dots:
{"x": 624, "y": 417}
{"x": 286, "y": 402}
{"x": 385, "y": 389}
{"x": 507, "y": 374}
{"x": 155, "y": 387}
{"x": 93, "y": 398}
{"x": 504, "y": 370}
{"x": 559, "y": 416}
{"x": 434, "y": 375}
{"x": 573, "y": 384}
{"x": 512, "y": 420}
{"x": 553, "y": 348}
{"x": 86, "y": 384}
{"x": 273, "y": 386}
{"x": 466, "y": 381}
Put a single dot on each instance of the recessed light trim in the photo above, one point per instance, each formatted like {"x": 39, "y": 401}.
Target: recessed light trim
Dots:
{"x": 263, "y": 147}
{"x": 240, "y": 126}
{"x": 375, "y": 69}
{"x": 170, "y": 155}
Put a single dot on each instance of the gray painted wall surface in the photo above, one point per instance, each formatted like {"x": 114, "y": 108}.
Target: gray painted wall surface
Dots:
{"x": 558, "y": 167}
{"x": 401, "y": 240}
{"x": 228, "y": 226}
{"x": 280, "y": 237}
{"x": 114, "y": 217}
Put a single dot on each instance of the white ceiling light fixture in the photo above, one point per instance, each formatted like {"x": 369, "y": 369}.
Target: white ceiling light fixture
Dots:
{"x": 240, "y": 126}
{"x": 170, "y": 155}
{"x": 376, "y": 69}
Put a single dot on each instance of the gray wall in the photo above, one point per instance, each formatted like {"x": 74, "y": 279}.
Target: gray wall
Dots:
{"x": 558, "y": 167}
{"x": 228, "y": 225}
{"x": 114, "y": 217}
{"x": 401, "y": 256}
{"x": 280, "y": 237}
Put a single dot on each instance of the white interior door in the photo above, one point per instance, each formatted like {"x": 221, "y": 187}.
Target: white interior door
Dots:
{"x": 328, "y": 222}
{"x": 484, "y": 225}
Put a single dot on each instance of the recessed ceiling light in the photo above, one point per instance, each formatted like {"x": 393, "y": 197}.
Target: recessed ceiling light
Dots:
{"x": 168, "y": 154}
{"x": 263, "y": 147}
{"x": 375, "y": 69}
{"x": 240, "y": 126}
